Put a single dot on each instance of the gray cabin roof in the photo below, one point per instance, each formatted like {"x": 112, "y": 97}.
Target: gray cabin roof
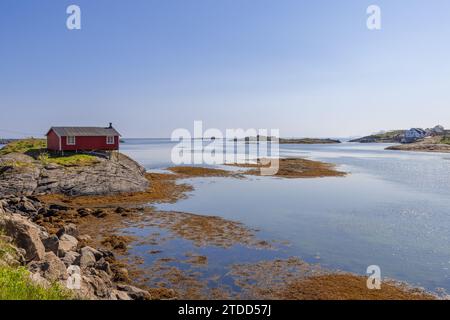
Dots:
{"x": 419, "y": 130}
{"x": 84, "y": 131}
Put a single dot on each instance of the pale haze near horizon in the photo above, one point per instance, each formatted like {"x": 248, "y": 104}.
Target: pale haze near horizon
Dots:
{"x": 308, "y": 68}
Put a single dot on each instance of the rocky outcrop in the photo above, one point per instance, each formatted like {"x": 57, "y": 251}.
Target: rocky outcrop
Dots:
{"x": 60, "y": 258}
{"x": 18, "y": 174}
{"x": 50, "y": 267}
{"x": 26, "y": 235}
{"x": 429, "y": 144}
{"x": 394, "y": 136}
{"x": 21, "y": 174}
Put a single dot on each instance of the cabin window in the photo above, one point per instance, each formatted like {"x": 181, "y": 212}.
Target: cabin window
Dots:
{"x": 110, "y": 140}
{"x": 71, "y": 140}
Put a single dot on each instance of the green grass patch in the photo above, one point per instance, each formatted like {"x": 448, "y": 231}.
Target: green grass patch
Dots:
{"x": 73, "y": 160}
{"x": 24, "y": 146}
{"x": 37, "y": 149}
{"x": 15, "y": 284}
{"x": 445, "y": 140}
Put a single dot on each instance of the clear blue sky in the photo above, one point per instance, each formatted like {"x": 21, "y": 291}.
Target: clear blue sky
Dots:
{"x": 309, "y": 68}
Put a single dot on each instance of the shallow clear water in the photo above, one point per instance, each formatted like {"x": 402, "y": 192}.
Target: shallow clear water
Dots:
{"x": 392, "y": 210}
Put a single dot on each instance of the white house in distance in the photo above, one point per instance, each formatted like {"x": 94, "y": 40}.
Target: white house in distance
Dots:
{"x": 414, "y": 134}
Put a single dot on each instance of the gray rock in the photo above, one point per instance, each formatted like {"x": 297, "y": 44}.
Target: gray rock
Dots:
{"x": 70, "y": 229}
{"x": 26, "y": 235}
{"x": 84, "y": 212}
{"x": 87, "y": 259}
{"x": 134, "y": 293}
{"x": 18, "y": 180}
{"x": 102, "y": 264}
{"x": 50, "y": 267}
{"x": 119, "y": 295}
{"x": 97, "y": 254}
{"x": 51, "y": 244}
{"x": 71, "y": 258}
{"x": 96, "y": 284}
{"x": 107, "y": 254}
{"x": 27, "y": 206}
{"x": 67, "y": 243}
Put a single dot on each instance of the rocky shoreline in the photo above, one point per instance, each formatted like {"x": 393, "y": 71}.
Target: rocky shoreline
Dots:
{"x": 50, "y": 257}
{"x": 430, "y": 144}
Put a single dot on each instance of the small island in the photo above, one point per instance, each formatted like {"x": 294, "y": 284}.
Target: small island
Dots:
{"x": 258, "y": 139}
{"x": 308, "y": 141}
{"x": 435, "y": 139}
{"x": 427, "y": 144}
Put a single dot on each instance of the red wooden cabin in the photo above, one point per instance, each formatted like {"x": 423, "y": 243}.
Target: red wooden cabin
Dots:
{"x": 83, "y": 139}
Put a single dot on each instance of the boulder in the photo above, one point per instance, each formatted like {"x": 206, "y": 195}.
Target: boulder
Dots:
{"x": 87, "y": 259}
{"x": 71, "y": 258}
{"x": 96, "y": 284}
{"x": 97, "y": 254}
{"x": 51, "y": 244}
{"x": 107, "y": 254}
{"x": 134, "y": 293}
{"x": 67, "y": 243}
{"x": 104, "y": 265}
{"x": 27, "y": 206}
{"x": 119, "y": 295}
{"x": 70, "y": 229}
{"x": 50, "y": 267}
{"x": 26, "y": 235}
{"x": 84, "y": 212}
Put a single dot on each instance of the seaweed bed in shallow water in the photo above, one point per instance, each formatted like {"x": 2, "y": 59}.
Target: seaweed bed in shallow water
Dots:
{"x": 289, "y": 278}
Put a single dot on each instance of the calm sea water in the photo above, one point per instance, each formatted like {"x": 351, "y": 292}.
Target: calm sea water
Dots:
{"x": 392, "y": 210}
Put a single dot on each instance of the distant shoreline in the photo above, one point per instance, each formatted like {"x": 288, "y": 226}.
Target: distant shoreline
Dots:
{"x": 6, "y": 141}
{"x": 258, "y": 139}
